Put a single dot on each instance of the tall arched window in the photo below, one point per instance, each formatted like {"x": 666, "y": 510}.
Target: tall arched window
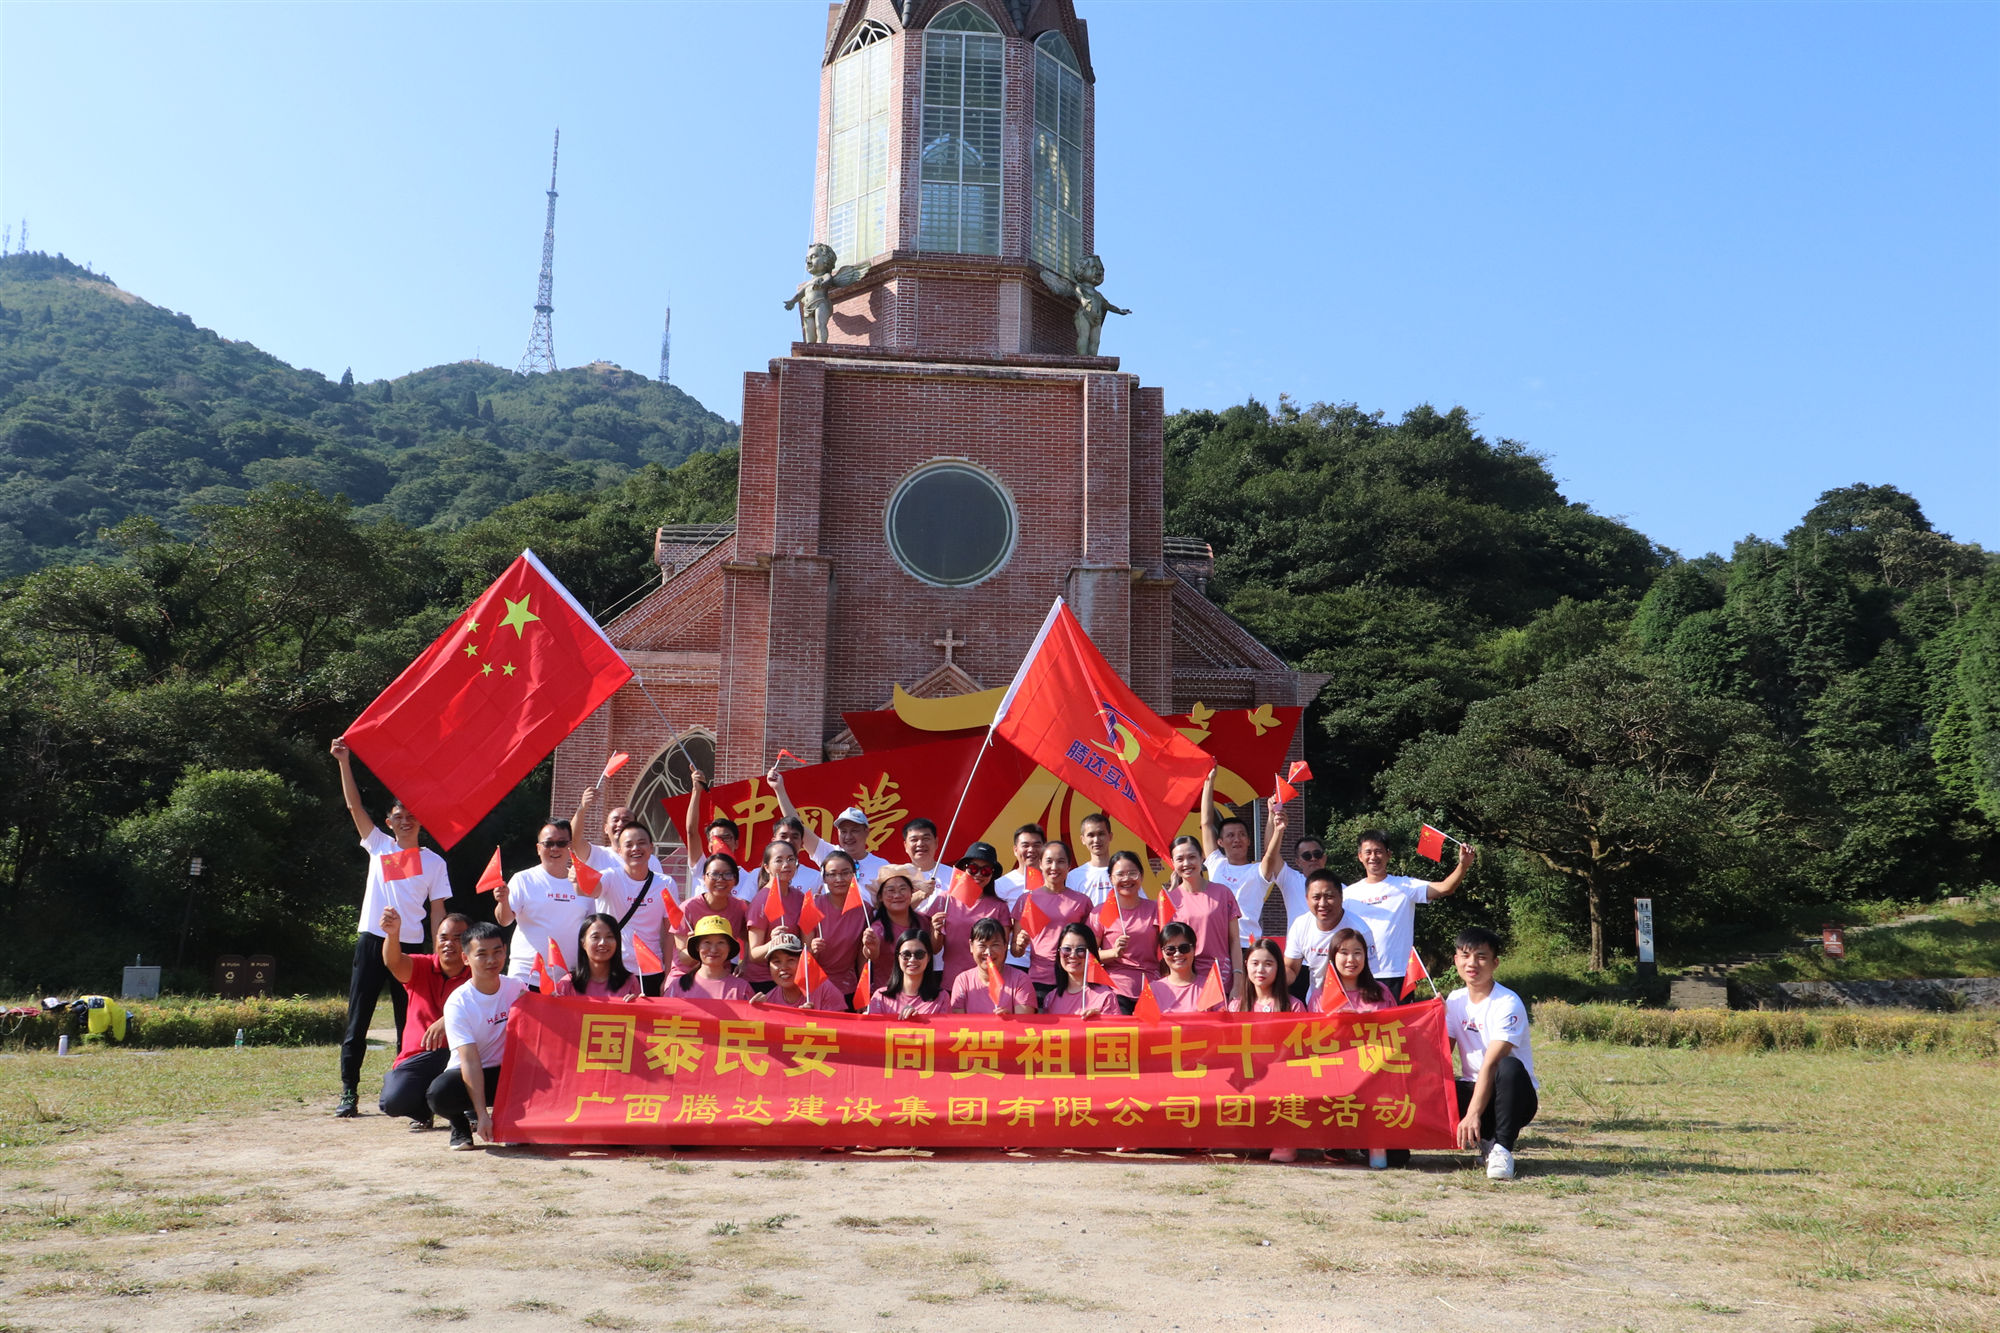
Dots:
{"x": 667, "y": 780}
{"x": 1058, "y": 168}
{"x": 963, "y": 78}
{"x": 857, "y": 177}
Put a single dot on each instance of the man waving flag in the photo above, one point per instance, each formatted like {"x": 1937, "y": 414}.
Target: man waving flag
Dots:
{"x": 489, "y": 700}
{"x": 1072, "y": 714}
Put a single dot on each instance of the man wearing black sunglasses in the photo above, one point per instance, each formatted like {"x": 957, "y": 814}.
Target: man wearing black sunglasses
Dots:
{"x": 542, "y": 903}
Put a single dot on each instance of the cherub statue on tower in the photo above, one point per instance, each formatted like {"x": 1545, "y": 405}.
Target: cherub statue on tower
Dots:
{"x": 814, "y": 298}
{"x": 1091, "y": 307}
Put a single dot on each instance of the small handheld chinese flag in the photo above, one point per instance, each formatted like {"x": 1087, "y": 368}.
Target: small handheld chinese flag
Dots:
{"x": 613, "y": 764}
{"x": 1211, "y": 990}
{"x": 556, "y": 955}
{"x": 1286, "y": 791}
{"x": 546, "y": 985}
{"x": 1167, "y": 913}
{"x": 1147, "y": 1010}
{"x": 864, "y": 989}
{"x": 493, "y": 876}
{"x": 1300, "y": 771}
{"x": 1094, "y": 971}
{"x": 811, "y": 914}
{"x": 810, "y": 976}
{"x": 1033, "y": 919}
{"x": 1107, "y": 915}
{"x": 649, "y": 962}
{"x": 1328, "y": 989}
{"x": 406, "y": 864}
{"x": 1430, "y": 844}
{"x": 588, "y": 879}
{"x": 1411, "y": 971}
{"x": 965, "y": 889}
{"x": 774, "y": 903}
{"x": 787, "y": 754}
{"x": 676, "y": 918}
{"x": 996, "y": 985}
{"x": 1032, "y": 876}
{"x": 716, "y": 845}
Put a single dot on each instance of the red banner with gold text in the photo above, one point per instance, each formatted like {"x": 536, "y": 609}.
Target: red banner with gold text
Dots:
{"x": 712, "y": 1072}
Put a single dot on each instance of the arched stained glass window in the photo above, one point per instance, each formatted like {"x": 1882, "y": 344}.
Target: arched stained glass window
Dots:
{"x": 1058, "y": 164}
{"x": 667, "y": 779}
{"x": 963, "y": 87}
{"x": 857, "y": 177}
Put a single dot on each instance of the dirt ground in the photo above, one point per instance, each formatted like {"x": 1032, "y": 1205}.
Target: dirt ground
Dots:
{"x": 1621, "y": 1219}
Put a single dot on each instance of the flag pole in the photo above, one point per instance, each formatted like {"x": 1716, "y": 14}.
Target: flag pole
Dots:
{"x": 966, "y": 790}
{"x": 637, "y": 680}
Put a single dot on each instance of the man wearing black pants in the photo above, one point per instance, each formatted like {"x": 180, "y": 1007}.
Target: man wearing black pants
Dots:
{"x": 402, "y": 877}
{"x": 430, "y": 980}
{"x": 1496, "y": 1084}
{"x": 475, "y": 1029}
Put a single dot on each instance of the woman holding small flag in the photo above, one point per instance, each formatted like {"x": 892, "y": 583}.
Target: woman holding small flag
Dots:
{"x": 790, "y": 986}
{"x": 777, "y": 907}
{"x": 970, "y": 899}
{"x": 989, "y": 986}
{"x": 717, "y": 898}
{"x": 1041, "y": 912}
{"x": 1209, "y": 910}
{"x": 1082, "y": 988}
{"x": 1129, "y": 924}
{"x": 834, "y": 923}
{"x": 1180, "y": 991}
{"x": 912, "y": 991}
{"x": 600, "y": 970}
{"x": 895, "y": 914}
{"x": 1349, "y": 986}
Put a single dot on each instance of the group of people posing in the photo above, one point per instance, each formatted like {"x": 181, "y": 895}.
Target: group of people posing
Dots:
{"x": 1055, "y": 934}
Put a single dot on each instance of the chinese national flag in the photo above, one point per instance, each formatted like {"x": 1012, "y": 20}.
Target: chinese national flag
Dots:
{"x": 676, "y": 918}
{"x": 406, "y": 864}
{"x": 1147, "y": 1010}
{"x": 1033, "y": 919}
{"x": 810, "y": 975}
{"x": 1069, "y": 711}
{"x": 1032, "y": 878}
{"x": 499, "y": 690}
{"x": 1300, "y": 771}
{"x": 965, "y": 889}
{"x": 493, "y": 876}
{"x": 587, "y": 877}
{"x": 1430, "y": 844}
{"x": 774, "y": 903}
{"x": 996, "y": 984}
{"x": 1325, "y": 1002}
{"x": 1167, "y": 912}
{"x": 556, "y": 955}
{"x": 1094, "y": 971}
{"x": 649, "y": 962}
{"x": 1211, "y": 990}
{"x": 1286, "y": 791}
{"x": 546, "y": 986}
{"x": 864, "y": 989}
{"x": 1412, "y": 969}
{"x": 1107, "y": 915}
{"x": 811, "y": 914}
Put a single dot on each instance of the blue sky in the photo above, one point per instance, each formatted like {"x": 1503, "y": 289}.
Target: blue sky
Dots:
{"x": 1710, "y": 259}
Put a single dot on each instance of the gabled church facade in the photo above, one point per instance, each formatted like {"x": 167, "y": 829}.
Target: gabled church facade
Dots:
{"x": 917, "y": 487}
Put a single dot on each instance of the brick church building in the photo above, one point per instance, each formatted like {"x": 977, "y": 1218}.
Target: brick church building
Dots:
{"x": 916, "y": 489}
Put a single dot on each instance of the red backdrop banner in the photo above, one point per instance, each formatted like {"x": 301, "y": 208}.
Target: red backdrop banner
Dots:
{"x": 712, "y": 1072}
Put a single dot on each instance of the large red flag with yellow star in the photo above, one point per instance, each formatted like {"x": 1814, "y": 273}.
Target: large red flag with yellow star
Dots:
{"x": 489, "y": 700}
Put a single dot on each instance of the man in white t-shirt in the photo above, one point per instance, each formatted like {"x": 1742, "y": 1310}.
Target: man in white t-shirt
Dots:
{"x": 417, "y": 897}
{"x": 1309, "y": 942}
{"x": 920, "y": 843}
{"x": 850, "y": 826}
{"x": 1029, "y": 840}
{"x": 1264, "y": 908}
{"x": 1383, "y": 906}
{"x": 1497, "y": 1091}
{"x": 1092, "y": 876}
{"x": 543, "y": 903}
{"x": 601, "y": 857}
{"x": 475, "y": 1029}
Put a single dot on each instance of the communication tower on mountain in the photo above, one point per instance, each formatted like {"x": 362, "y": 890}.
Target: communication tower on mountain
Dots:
{"x": 666, "y": 339}
{"x": 541, "y": 353}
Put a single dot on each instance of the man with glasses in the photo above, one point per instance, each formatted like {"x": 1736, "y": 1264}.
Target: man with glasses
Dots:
{"x": 430, "y": 979}
{"x": 542, "y": 903}
{"x": 414, "y": 896}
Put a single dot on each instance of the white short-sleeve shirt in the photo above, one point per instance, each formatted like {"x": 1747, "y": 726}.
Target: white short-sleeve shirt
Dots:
{"x": 1499, "y": 1017}
{"x": 1387, "y": 914}
{"x": 474, "y": 1018}
{"x": 1310, "y": 947}
{"x": 411, "y": 897}
{"x": 1247, "y": 882}
{"x": 865, "y": 869}
{"x": 543, "y": 906}
{"x": 617, "y": 891}
{"x": 1093, "y": 882}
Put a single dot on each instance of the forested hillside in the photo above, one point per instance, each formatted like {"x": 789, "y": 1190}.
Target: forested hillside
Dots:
{"x": 112, "y": 408}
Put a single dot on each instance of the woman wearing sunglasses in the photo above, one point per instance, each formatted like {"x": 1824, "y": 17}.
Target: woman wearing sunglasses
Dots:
{"x": 952, "y": 922}
{"x": 1179, "y": 991}
{"x": 912, "y": 991}
{"x": 1074, "y": 993}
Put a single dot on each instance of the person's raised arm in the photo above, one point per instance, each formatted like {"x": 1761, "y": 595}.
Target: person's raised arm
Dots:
{"x": 1445, "y": 887}
{"x": 503, "y": 907}
{"x": 1482, "y": 1092}
{"x": 777, "y": 781}
{"x": 351, "y": 793}
{"x": 1208, "y": 814}
{"x": 697, "y": 784}
{"x": 1274, "y": 844}
{"x": 393, "y": 956}
{"x": 576, "y": 825}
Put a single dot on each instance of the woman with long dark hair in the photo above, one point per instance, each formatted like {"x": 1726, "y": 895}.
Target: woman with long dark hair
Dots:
{"x": 1130, "y": 922}
{"x": 912, "y": 990}
{"x": 1073, "y": 992}
{"x": 600, "y": 970}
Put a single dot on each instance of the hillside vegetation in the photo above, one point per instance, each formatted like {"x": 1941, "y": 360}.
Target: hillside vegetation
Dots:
{"x": 111, "y": 408}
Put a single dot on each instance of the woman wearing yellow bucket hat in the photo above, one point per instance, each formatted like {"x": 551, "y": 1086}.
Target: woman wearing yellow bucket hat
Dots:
{"x": 714, "y": 943}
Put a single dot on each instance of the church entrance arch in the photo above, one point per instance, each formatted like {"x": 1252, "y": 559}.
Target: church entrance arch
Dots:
{"x": 667, "y": 780}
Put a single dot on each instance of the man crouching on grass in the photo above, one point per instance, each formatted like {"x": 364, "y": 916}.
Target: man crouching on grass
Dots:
{"x": 475, "y": 1027}
{"x": 1496, "y": 1082}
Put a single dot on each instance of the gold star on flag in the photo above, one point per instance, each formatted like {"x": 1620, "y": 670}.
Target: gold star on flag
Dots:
{"x": 472, "y": 650}
{"x": 472, "y": 627}
{"x": 518, "y": 615}
{"x": 486, "y": 670}
{"x": 507, "y": 670}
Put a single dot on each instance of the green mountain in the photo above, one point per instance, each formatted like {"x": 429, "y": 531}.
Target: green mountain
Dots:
{"x": 112, "y": 408}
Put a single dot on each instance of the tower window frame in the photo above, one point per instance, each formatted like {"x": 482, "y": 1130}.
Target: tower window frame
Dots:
{"x": 960, "y": 167}
{"x": 1057, "y": 171}
{"x": 857, "y": 153}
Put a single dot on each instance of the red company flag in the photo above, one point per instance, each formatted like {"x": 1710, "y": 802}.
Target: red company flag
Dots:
{"x": 1430, "y": 844}
{"x": 493, "y": 876}
{"x": 965, "y": 889}
{"x": 649, "y": 962}
{"x": 499, "y": 690}
{"x": 406, "y": 864}
{"x": 1069, "y": 711}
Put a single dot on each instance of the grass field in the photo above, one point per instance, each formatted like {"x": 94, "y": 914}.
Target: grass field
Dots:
{"x": 1660, "y": 1190}
{"x": 1962, "y": 941}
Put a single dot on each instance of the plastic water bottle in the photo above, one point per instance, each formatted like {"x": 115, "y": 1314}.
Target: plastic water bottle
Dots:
{"x": 62, "y": 1044}
{"x": 239, "y": 1039}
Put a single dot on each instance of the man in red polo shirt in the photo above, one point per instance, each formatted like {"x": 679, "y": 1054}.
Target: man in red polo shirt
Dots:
{"x": 429, "y": 978}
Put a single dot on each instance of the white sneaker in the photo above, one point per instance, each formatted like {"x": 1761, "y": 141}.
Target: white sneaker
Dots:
{"x": 1499, "y": 1163}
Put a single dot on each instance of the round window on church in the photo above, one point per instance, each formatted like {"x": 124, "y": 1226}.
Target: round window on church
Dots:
{"x": 951, "y": 524}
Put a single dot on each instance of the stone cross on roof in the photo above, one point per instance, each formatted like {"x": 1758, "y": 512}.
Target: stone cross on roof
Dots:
{"x": 949, "y": 643}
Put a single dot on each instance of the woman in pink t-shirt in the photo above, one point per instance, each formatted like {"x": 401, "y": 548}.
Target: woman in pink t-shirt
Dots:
{"x": 781, "y": 863}
{"x": 1058, "y": 907}
{"x": 1210, "y": 910}
{"x": 1265, "y": 992}
{"x": 912, "y": 991}
{"x": 973, "y": 992}
{"x": 1179, "y": 991}
{"x": 1347, "y": 967}
{"x": 1074, "y": 993}
{"x": 600, "y": 964}
{"x": 1129, "y": 925}
{"x": 952, "y": 922}
{"x": 836, "y": 938}
{"x": 715, "y": 945}
{"x": 895, "y": 913}
{"x": 716, "y": 896}
{"x": 788, "y": 979}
